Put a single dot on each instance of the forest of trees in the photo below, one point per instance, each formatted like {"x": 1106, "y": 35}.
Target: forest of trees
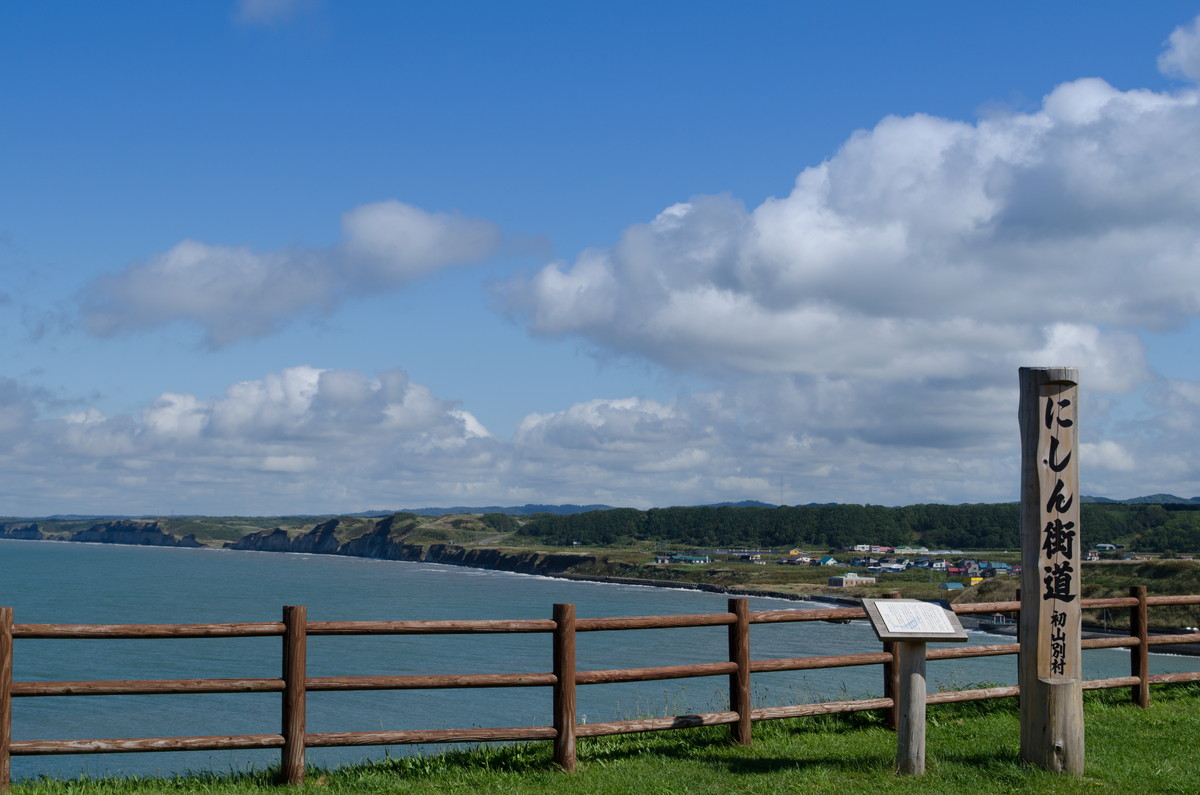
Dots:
{"x": 1141, "y": 528}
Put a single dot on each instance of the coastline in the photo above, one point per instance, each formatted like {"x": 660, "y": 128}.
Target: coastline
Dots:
{"x": 840, "y": 601}
{"x": 378, "y": 546}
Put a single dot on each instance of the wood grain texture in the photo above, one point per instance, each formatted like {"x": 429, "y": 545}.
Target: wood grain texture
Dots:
{"x": 657, "y": 724}
{"x": 448, "y": 627}
{"x": 813, "y": 663}
{"x": 739, "y": 678}
{"x": 891, "y": 677}
{"x": 6, "y": 694}
{"x": 654, "y": 622}
{"x": 1050, "y": 660}
{"x": 148, "y": 631}
{"x": 824, "y": 708}
{"x": 294, "y": 700}
{"x": 910, "y": 728}
{"x": 476, "y": 735}
{"x": 819, "y": 614}
{"x": 653, "y": 674}
{"x": 141, "y": 687}
{"x": 428, "y": 681}
{"x": 564, "y": 687}
{"x": 122, "y": 745}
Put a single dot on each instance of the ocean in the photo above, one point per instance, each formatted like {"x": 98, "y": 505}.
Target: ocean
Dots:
{"x": 61, "y": 582}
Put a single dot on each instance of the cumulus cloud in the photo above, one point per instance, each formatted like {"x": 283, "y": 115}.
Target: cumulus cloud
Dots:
{"x": 303, "y": 406}
{"x": 305, "y": 439}
{"x": 1182, "y": 56}
{"x": 299, "y": 439}
{"x": 867, "y": 327}
{"x": 924, "y": 248}
{"x": 825, "y": 440}
{"x": 234, "y": 292}
{"x": 862, "y": 335}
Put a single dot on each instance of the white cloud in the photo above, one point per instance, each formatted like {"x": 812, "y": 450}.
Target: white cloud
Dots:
{"x": 271, "y": 12}
{"x": 867, "y": 328}
{"x": 295, "y": 440}
{"x": 925, "y": 250}
{"x": 862, "y": 333}
{"x": 1107, "y": 455}
{"x": 924, "y": 244}
{"x": 1178, "y": 403}
{"x": 395, "y": 242}
{"x": 1182, "y": 56}
{"x": 310, "y": 440}
{"x": 290, "y": 463}
{"x": 234, "y": 292}
{"x": 17, "y": 407}
{"x": 824, "y": 440}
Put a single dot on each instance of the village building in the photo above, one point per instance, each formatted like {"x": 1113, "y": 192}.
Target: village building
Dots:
{"x": 665, "y": 559}
{"x": 849, "y": 580}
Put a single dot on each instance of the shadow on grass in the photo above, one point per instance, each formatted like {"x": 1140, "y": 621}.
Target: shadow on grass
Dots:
{"x": 768, "y": 765}
{"x": 1006, "y": 760}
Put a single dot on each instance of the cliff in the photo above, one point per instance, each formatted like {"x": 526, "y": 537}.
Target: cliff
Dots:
{"x": 127, "y": 531}
{"x": 385, "y": 539}
{"x": 321, "y": 540}
{"x": 386, "y": 542}
{"x": 28, "y": 532}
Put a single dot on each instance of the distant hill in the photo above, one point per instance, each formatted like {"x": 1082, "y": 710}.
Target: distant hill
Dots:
{"x": 88, "y": 517}
{"x": 511, "y": 510}
{"x": 563, "y": 510}
{"x": 1152, "y": 499}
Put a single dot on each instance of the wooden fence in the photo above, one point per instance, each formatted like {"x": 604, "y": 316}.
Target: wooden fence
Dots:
{"x": 563, "y": 679}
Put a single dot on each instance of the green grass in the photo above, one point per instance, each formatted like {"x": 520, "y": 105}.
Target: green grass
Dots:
{"x": 970, "y": 748}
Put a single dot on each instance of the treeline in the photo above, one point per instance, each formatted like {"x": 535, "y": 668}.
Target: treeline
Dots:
{"x": 1151, "y": 528}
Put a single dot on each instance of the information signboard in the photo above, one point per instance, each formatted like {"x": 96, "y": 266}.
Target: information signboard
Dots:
{"x": 912, "y": 620}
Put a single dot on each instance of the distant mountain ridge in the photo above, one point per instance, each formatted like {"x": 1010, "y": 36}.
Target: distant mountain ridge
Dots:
{"x": 511, "y": 510}
{"x": 528, "y": 510}
{"x": 1151, "y": 499}
{"x": 567, "y": 509}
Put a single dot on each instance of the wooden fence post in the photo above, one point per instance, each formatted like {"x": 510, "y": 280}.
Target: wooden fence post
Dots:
{"x": 891, "y": 678}
{"x": 910, "y": 691}
{"x": 1139, "y": 655}
{"x": 1050, "y": 666}
{"x": 739, "y": 680}
{"x": 295, "y": 620}
{"x": 564, "y": 686}
{"x": 6, "y": 670}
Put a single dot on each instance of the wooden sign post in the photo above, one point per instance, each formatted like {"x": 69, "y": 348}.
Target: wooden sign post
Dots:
{"x": 909, "y": 624}
{"x": 1050, "y": 664}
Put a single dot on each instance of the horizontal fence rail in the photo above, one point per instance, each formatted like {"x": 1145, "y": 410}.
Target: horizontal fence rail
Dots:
{"x": 294, "y": 683}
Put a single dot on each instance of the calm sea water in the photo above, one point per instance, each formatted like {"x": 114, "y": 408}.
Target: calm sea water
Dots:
{"x": 51, "y": 582}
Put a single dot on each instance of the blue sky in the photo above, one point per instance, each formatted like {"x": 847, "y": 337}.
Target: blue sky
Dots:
{"x": 283, "y": 256}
